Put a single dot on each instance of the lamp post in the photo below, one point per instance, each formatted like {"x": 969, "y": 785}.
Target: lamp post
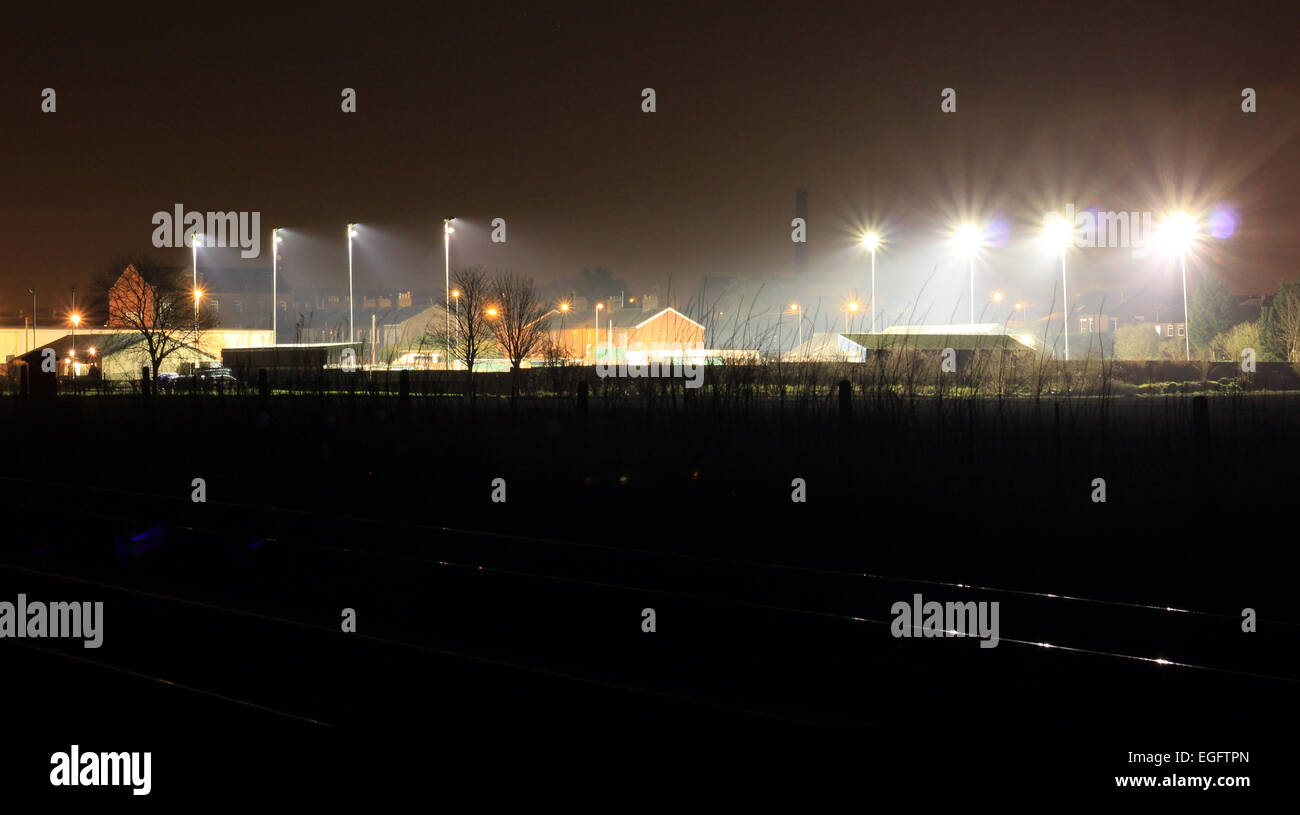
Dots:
{"x": 447, "y": 230}
{"x": 596, "y": 340}
{"x": 969, "y": 238}
{"x": 352, "y": 233}
{"x": 871, "y": 240}
{"x": 1179, "y": 232}
{"x": 1187, "y": 318}
{"x": 794, "y": 309}
{"x": 455, "y": 327}
{"x": 275, "y": 268}
{"x": 76, "y": 320}
{"x": 1060, "y": 234}
{"x": 195, "y": 242}
{"x": 32, "y": 292}
{"x": 564, "y": 312}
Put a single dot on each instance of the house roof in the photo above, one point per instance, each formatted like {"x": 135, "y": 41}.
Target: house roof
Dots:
{"x": 327, "y": 317}
{"x": 962, "y": 337}
{"x": 626, "y": 318}
{"x": 238, "y": 280}
{"x": 1124, "y": 303}
{"x": 105, "y": 344}
{"x": 818, "y": 346}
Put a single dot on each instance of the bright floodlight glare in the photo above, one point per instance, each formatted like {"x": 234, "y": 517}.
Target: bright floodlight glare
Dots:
{"x": 492, "y": 312}
{"x": 794, "y": 306}
{"x": 997, "y": 297}
{"x": 599, "y": 306}
{"x": 968, "y": 238}
{"x": 197, "y": 239}
{"x": 76, "y": 319}
{"x": 1178, "y": 232}
{"x": 564, "y": 306}
{"x": 871, "y": 240}
{"x": 1057, "y": 231}
{"x": 352, "y": 230}
{"x": 853, "y": 306}
{"x": 198, "y": 294}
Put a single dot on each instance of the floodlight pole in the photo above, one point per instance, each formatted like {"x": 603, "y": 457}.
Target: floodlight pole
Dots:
{"x": 972, "y": 289}
{"x": 351, "y": 328}
{"x": 1187, "y": 321}
{"x": 1065, "y": 295}
{"x": 275, "y": 261}
{"x": 447, "y": 229}
{"x": 873, "y": 291}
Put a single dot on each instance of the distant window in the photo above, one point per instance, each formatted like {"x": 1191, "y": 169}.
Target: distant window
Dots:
{"x": 215, "y": 305}
{"x": 1169, "y": 330}
{"x": 1180, "y": 331}
{"x": 239, "y": 306}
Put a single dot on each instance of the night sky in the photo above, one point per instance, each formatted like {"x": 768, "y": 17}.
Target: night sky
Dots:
{"x": 532, "y": 113}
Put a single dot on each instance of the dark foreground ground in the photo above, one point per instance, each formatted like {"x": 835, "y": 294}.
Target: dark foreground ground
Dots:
{"x": 223, "y": 618}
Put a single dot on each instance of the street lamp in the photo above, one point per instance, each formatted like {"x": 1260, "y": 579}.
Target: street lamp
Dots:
{"x": 195, "y": 242}
{"x": 852, "y": 309}
{"x": 969, "y": 238}
{"x": 1178, "y": 233}
{"x": 275, "y": 267}
{"x": 871, "y": 240}
{"x": 1059, "y": 234}
{"x": 447, "y": 230}
{"x": 352, "y": 233}
{"x": 455, "y": 295}
{"x": 596, "y": 341}
{"x": 76, "y": 321}
{"x": 794, "y": 309}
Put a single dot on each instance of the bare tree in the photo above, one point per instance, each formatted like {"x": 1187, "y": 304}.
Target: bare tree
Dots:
{"x": 471, "y": 336}
{"x": 522, "y": 318}
{"x": 155, "y": 301}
